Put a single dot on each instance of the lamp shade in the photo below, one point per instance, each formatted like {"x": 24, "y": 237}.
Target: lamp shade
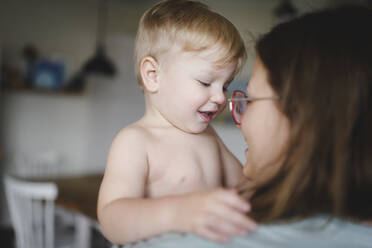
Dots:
{"x": 99, "y": 64}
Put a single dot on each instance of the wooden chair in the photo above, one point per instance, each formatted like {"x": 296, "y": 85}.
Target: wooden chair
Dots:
{"x": 40, "y": 165}
{"x": 31, "y": 207}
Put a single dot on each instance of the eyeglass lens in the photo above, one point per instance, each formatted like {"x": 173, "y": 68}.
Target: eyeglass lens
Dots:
{"x": 238, "y": 106}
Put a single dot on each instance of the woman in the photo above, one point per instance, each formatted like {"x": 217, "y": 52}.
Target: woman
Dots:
{"x": 307, "y": 119}
{"x": 320, "y": 162}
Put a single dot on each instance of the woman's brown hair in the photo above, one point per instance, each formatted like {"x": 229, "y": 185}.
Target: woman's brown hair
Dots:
{"x": 320, "y": 65}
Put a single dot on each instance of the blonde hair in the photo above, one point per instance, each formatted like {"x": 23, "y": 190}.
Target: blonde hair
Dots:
{"x": 190, "y": 25}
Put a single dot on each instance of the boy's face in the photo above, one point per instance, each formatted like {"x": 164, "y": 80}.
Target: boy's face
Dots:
{"x": 192, "y": 89}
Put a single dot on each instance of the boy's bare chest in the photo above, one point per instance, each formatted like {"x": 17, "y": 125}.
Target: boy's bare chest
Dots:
{"x": 182, "y": 167}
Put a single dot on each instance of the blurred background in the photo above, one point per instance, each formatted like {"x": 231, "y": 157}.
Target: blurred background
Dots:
{"x": 67, "y": 78}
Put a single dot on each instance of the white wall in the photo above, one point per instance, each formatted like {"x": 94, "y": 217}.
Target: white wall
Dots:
{"x": 36, "y": 122}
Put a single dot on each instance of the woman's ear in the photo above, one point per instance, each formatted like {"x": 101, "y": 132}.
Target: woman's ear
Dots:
{"x": 149, "y": 72}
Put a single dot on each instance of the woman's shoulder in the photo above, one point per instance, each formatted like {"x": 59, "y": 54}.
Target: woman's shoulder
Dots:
{"x": 319, "y": 231}
{"x": 312, "y": 232}
{"x": 175, "y": 240}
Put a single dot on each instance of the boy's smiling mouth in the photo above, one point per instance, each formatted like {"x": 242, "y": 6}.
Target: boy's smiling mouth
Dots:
{"x": 207, "y": 116}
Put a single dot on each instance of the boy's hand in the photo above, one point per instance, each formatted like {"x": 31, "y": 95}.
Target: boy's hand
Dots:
{"x": 216, "y": 215}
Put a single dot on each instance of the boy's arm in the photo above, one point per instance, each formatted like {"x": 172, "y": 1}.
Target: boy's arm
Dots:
{"x": 232, "y": 168}
{"x": 123, "y": 212}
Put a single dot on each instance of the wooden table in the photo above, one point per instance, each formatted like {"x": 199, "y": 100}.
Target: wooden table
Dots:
{"x": 79, "y": 193}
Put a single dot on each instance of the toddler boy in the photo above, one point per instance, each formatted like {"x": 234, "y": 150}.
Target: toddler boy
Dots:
{"x": 168, "y": 170}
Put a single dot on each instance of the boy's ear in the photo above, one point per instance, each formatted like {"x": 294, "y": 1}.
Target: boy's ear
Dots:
{"x": 149, "y": 69}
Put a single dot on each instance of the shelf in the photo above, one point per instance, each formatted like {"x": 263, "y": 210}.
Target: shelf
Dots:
{"x": 61, "y": 92}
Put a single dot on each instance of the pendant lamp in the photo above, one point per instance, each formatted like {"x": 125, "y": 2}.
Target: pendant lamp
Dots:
{"x": 100, "y": 63}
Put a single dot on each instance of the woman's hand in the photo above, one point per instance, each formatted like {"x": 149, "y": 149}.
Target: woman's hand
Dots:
{"x": 216, "y": 215}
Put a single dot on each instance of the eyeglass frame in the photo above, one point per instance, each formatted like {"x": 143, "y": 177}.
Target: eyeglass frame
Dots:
{"x": 247, "y": 100}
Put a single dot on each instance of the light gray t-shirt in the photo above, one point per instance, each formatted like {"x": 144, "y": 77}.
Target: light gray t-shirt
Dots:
{"x": 312, "y": 232}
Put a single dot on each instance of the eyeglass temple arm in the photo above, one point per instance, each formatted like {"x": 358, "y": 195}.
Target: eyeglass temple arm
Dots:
{"x": 252, "y": 98}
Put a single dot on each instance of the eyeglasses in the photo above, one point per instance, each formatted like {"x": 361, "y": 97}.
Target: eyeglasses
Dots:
{"x": 239, "y": 101}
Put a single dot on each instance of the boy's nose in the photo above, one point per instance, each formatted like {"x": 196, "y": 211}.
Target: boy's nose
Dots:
{"x": 218, "y": 97}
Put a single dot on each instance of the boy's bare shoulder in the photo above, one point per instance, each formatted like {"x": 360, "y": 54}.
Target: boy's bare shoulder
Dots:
{"x": 133, "y": 134}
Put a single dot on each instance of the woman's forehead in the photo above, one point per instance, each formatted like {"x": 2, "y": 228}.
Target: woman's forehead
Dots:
{"x": 258, "y": 82}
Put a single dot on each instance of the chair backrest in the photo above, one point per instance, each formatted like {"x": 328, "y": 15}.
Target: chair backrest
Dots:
{"x": 43, "y": 164}
{"x": 31, "y": 207}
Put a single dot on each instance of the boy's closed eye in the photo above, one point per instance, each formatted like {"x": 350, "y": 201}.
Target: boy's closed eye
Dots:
{"x": 203, "y": 83}
{"x": 225, "y": 87}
